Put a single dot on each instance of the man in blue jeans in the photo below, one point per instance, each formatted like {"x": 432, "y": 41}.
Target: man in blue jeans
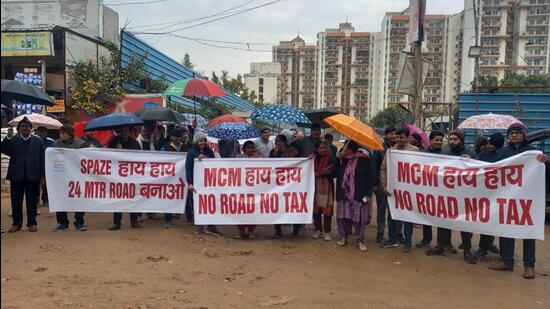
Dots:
{"x": 401, "y": 143}
{"x": 516, "y": 145}
{"x": 381, "y": 198}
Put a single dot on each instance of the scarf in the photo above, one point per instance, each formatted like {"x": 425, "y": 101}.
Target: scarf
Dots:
{"x": 321, "y": 163}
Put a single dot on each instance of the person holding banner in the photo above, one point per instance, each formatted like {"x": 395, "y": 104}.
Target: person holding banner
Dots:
{"x": 355, "y": 178}
{"x": 381, "y": 199}
{"x": 401, "y": 143}
{"x": 145, "y": 139}
{"x": 124, "y": 141}
{"x": 323, "y": 201}
{"x": 436, "y": 146}
{"x": 263, "y": 144}
{"x": 200, "y": 150}
{"x": 26, "y": 172}
{"x": 68, "y": 141}
{"x": 249, "y": 151}
{"x": 516, "y": 145}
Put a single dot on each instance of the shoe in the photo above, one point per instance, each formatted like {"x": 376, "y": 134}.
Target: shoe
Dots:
{"x": 499, "y": 265}
{"x": 251, "y": 236}
{"x": 479, "y": 255}
{"x": 461, "y": 247}
{"x": 60, "y": 228}
{"x": 136, "y": 225}
{"x": 14, "y": 228}
{"x": 389, "y": 244}
{"x": 9, "y": 214}
{"x": 529, "y": 273}
{"x": 400, "y": 238}
{"x": 114, "y": 227}
{"x": 342, "y": 242}
{"x": 238, "y": 236}
{"x": 435, "y": 251}
{"x": 317, "y": 235}
{"x": 32, "y": 228}
{"x": 199, "y": 229}
{"x": 37, "y": 211}
{"x": 469, "y": 258}
{"x": 379, "y": 238}
{"x": 407, "y": 249}
{"x": 493, "y": 249}
{"x": 296, "y": 232}
{"x": 213, "y": 232}
{"x": 276, "y": 236}
{"x": 362, "y": 247}
{"x": 423, "y": 243}
{"x": 327, "y": 237}
{"x": 81, "y": 227}
{"x": 167, "y": 225}
{"x": 450, "y": 249}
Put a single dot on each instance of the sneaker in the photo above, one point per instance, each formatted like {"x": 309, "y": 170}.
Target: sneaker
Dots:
{"x": 238, "y": 236}
{"x": 450, "y": 249}
{"x": 423, "y": 243}
{"x": 479, "y": 255}
{"x": 435, "y": 251}
{"x": 14, "y": 228}
{"x": 400, "y": 238}
{"x": 136, "y": 226}
{"x": 81, "y": 228}
{"x": 362, "y": 247}
{"x": 167, "y": 225}
{"x": 379, "y": 238}
{"x": 493, "y": 249}
{"x": 529, "y": 273}
{"x": 276, "y": 236}
{"x": 251, "y": 236}
{"x": 114, "y": 227}
{"x": 499, "y": 265}
{"x": 342, "y": 242}
{"x": 60, "y": 228}
{"x": 32, "y": 228}
{"x": 469, "y": 257}
{"x": 327, "y": 237}
{"x": 389, "y": 244}
{"x": 407, "y": 248}
{"x": 213, "y": 231}
{"x": 317, "y": 235}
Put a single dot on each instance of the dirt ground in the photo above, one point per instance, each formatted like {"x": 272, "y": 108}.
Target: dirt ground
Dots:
{"x": 158, "y": 268}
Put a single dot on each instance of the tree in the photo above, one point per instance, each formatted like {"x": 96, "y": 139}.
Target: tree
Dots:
{"x": 186, "y": 61}
{"x": 395, "y": 116}
{"x": 215, "y": 79}
{"x": 97, "y": 87}
{"x": 159, "y": 85}
{"x": 135, "y": 70}
{"x": 515, "y": 82}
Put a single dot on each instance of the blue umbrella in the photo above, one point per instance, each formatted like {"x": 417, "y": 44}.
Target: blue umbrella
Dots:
{"x": 113, "y": 121}
{"x": 280, "y": 112}
{"x": 231, "y": 131}
{"x": 201, "y": 122}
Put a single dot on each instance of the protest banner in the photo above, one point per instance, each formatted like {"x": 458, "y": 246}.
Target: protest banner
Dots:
{"x": 113, "y": 180}
{"x": 253, "y": 191}
{"x": 505, "y": 198}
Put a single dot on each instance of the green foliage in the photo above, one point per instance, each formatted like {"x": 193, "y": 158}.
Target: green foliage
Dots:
{"x": 186, "y": 61}
{"x": 208, "y": 108}
{"x": 97, "y": 86}
{"x": 159, "y": 85}
{"x": 392, "y": 116}
{"x": 135, "y": 71}
{"x": 538, "y": 83}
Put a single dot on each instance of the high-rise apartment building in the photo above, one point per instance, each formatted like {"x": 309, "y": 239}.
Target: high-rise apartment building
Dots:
{"x": 297, "y": 82}
{"x": 263, "y": 79}
{"x": 532, "y": 37}
{"x": 343, "y": 62}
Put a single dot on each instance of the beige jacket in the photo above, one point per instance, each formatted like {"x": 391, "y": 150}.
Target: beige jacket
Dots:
{"x": 384, "y": 167}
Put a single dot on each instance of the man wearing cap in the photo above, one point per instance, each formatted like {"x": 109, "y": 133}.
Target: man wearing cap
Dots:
{"x": 264, "y": 145}
{"x": 489, "y": 154}
{"x": 25, "y": 173}
{"x": 68, "y": 141}
{"x": 516, "y": 145}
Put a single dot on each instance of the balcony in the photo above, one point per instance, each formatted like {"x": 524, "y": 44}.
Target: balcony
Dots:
{"x": 533, "y": 34}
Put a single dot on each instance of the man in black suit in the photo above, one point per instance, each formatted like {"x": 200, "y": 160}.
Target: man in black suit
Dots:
{"x": 25, "y": 173}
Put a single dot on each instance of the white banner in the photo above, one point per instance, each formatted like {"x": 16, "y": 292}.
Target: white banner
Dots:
{"x": 253, "y": 191}
{"x": 505, "y": 198}
{"x": 112, "y": 180}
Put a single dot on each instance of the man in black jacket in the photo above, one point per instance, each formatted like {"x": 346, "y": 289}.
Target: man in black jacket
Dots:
{"x": 516, "y": 145}
{"x": 25, "y": 173}
{"x": 436, "y": 146}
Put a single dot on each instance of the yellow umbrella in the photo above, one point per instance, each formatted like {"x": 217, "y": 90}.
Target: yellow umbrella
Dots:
{"x": 355, "y": 130}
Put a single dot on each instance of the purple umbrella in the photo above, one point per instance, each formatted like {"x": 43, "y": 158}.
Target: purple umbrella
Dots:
{"x": 414, "y": 129}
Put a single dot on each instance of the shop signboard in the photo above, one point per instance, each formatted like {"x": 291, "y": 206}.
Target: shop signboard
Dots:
{"x": 24, "y": 44}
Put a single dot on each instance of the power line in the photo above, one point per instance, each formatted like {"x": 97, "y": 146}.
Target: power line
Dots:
{"x": 134, "y": 3}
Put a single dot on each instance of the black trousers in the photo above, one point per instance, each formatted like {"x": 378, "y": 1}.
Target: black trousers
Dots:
{"x": 117, "y": 218}
{"x": 466, "y": 240}
{"x": 189, "y": 210}
{"x": 485, "y": 242}
{"x": 443, "y": 237}
{"x": 30, "y": 190}
{"x": 427, "y": 233}
{"x": 62, "y": 218}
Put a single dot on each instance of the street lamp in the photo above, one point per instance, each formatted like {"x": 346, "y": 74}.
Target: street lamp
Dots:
{"x": 474, "y": 51}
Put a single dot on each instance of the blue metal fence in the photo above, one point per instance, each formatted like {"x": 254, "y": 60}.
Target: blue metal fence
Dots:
{"x": 533, "y": 109}
{"x": 160, "y": 65}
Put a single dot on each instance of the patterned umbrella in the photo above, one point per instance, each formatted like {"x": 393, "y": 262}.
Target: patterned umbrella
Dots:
{"x": 224, "y": 118}
{"x": 192, "y": 87}
{"x": 488, "y": 122}
{"x": 231, "y": 131}
{"x": 38, "y": 120}
{"x": 201, "y": 122}
{"x": 280, "y": 112}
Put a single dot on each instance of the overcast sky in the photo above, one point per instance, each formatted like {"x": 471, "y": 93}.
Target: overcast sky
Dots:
{"x": 270, "y": 24}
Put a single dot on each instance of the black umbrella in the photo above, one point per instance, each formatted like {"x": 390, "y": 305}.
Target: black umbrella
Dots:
{"x": 160, "y": 114}
{"x": 25, "y": 93}
{"x": 317, "y": 117}
{"x": 113, "y": 121}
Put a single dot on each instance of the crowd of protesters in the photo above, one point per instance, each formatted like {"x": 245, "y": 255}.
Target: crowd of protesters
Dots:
{"x": 345, "y": 179}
